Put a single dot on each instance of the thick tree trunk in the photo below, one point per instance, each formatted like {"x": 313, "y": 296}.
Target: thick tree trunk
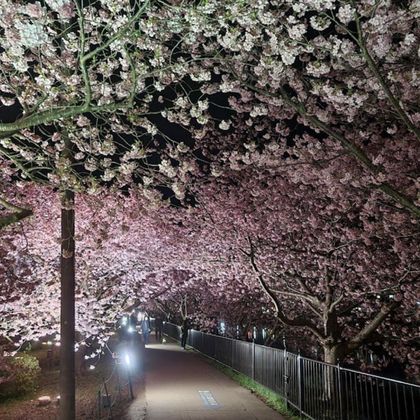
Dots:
{"x": 331, "y": 355}
{"x": 329, "y": 372}
{"x": 67, "y": 261}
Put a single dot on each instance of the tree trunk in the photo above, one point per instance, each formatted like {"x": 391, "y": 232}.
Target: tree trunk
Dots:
{"x": 67, "y": 262}
{"x": 329, "y": 372}
{"x": 331, "y": 355}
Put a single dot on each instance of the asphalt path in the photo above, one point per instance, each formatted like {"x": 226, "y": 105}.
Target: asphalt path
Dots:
{"x": 182, "y": 385}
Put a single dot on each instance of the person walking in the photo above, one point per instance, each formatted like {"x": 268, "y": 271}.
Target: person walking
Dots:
{"x": 184, "y": 330}
{"x": 158, "y": 328}
{"x": 145, "y": 327}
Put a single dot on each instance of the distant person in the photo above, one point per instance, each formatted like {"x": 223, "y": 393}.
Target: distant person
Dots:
{"x": 132, "y": 320}
{"x": 158, "y": 328}
{"x": 249, "y": 336}
{"x": 184, "y": 329}
{"x": 145, "y": 326}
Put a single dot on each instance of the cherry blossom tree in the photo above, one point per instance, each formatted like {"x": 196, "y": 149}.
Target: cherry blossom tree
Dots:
{"x": 85, "y": 87}
{"x": 294, "y": 245}
{"x": 129, "y": 254}
{"x": 346, "y": 264}
{"x": 343, "y": 72}
{"x": 79, "y": 79}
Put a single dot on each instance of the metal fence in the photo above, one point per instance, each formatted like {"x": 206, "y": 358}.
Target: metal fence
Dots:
{"x": 112, "y": 392}
{"x": 317, "y": 390}
{"x": 116, "y": 390}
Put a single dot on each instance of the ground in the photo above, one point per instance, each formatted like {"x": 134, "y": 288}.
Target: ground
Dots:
{"x": 87, "y": 387}
{"x": 182, "y": 385}
{"x": 169, "y": 383}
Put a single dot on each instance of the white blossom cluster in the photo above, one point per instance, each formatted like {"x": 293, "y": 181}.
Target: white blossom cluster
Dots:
{"x": 32, "y": 35}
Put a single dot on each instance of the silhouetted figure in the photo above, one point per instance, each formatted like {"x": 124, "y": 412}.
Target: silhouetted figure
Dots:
{"x": 158, "y": 328}
{"x": 184, "y": 330}
{"x": 145, "y": 327}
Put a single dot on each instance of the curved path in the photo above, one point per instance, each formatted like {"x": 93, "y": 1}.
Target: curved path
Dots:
{"x": 180, "y": 385}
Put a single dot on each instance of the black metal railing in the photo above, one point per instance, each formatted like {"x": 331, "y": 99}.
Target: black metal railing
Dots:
{"x": 316, "y": 390}
{"x": 116, "y": 390}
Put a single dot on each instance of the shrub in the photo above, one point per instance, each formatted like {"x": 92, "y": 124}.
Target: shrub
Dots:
{"x": 18, "y": 375}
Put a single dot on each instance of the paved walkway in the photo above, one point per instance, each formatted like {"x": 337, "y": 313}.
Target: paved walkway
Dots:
{"x": 180, "y": 385}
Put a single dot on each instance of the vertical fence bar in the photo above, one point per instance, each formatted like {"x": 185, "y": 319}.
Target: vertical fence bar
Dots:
{"x": 99, "y": 404}
{"x": 285, "y": 378}
{"x": 253, "y": 360}
{"x": 300, "y": 384}
{"x": 108, "y": 399}
{"x": 232, "y": 348}
{"x": 340, "y": 393}
{"x": 130, "y": 385}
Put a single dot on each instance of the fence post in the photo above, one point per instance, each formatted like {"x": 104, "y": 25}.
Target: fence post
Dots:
{"x": 340, "y": 392}
{"x": 108, "y": 398}
{"x": 118, "y": 383}
{"x": 285, "y": 377}
{"x": 232, "y": 344}
{"x": 214, "y": 347}
{"x": 300, "y": 382}
{"x": 253, "y": 360}
{"x": 99, "y": 404}
{"x": 130, "y": 385}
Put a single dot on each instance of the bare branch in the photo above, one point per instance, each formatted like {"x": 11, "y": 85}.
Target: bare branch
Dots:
{"x": 18, "y": 213}
{"x": 371, "y": 326}
{"x": 296, "y": 322}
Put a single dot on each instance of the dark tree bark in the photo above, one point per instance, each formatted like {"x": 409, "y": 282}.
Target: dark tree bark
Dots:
{"x": 17, "y": 214}
{"x": 67, "y": 261}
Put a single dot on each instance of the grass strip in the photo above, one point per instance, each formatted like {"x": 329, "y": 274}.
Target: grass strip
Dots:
{"x": 268, "y": 396}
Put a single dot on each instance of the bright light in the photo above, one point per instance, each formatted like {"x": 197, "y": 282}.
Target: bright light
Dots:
{"x": 91, "y": 367}
{"x": 58, "y": 344}
{"x": 163, "y": 340}
{"x": 124, "y": 320}
{"x": 127, "y": 359}
{"x": 130, "y": 329}
{"x": 222, "y": 327}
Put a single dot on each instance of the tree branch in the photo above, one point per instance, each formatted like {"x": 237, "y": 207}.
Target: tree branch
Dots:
{"x": 371, "y": 327}
{"x": 18, "y": 213}
{"x": 375, "y": 70}
{"x": 296, "y": 322}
